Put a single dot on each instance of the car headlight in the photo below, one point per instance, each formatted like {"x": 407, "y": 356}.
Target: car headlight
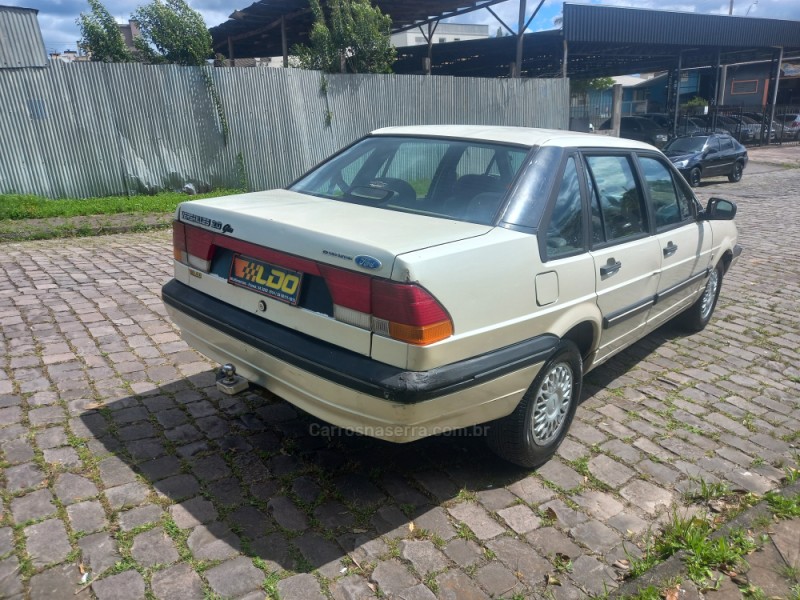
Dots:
{"x": 660, "y": 137}
{"x": 682, "y": 163}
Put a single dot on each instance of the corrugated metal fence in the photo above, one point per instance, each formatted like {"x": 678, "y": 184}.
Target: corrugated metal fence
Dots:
{"x": 90, "y": 129}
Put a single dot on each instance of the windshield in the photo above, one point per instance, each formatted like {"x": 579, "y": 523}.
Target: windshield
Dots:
{"x": 686, "y": 144}
{"x": 455, "y": 179}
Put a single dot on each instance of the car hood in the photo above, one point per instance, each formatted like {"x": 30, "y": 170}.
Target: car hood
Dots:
{"x": 324, "y": 230}
{"x": 678, "y": 156}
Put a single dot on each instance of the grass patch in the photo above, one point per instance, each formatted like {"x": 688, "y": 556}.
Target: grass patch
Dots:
{"x": 17, "y": 207}
{"x": 783, "y": 507}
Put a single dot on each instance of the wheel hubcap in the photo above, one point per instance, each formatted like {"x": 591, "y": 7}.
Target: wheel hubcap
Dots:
{"x": 709, "y": 295}
{"x": 552, "y": 402}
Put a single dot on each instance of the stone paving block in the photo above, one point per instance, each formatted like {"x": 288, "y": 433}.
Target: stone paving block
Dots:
{"x": 47, "y": 542}
{"x": 115, "y": 471}
{"x": 142, "y": 515}
{"x": 352, "y": 587}
{"x": 592, "y": 575}
{"x": 498, "y": 581}
{"x": 213, "y": 542}
{"x": 600, "y": 505}
{"x": 520, "y": 518}
{"x": 306, "y": 489}
{"x": 160, "y": 468}
{"x": 596, "y": 536}
{"x": 32, "y": 506}
{"x": 300, "y": 587}
{"x": 495, "y": 499}
{"x": 531, "y": 490}
{"x": 6, "y": 540}
{"x": 65, "y": 456}
{"x": 434, "y": 520}
{"x": 560, "y": 474}
{"x": 87, "y": 516}
{"x": 17, "y": 451}
{"x": 477, "y": 519}
{"x": 274, "y": 550}
{"x": 46, "y": 415}
{"x": 235, "y": 578}
{"x": 71, "y": 488}
{"x": 227, "y": 492}
{"x": 648, "y": 497}
{"x": 437, "y": 484}
{"x": 154, "y": 547}
{"x": 566, "y": 515}
{"x": 517, "y": 556}
{"x": 177, "y": 487}
{"x": 10, "y": 580}
{"x": 322, "y": 555}
{"x": 425, "y": 557}
{"x": 333, "y": 515}
{"x": 464, "y": 553}
{"x": 192, "y": 513}
{"x": 147, "y": 449}
{"x": 287, "y": 515}
{"x": 179, "y": 582}
{"x": 252, "y": 522}
{"x": 211, "y": 468}
{"x": 128, "y": 585}
{"x": 61, "y": 581}
{"x": 549, "y": 541}
{"x": 392, "y": 577}
{"x": 609, "y": 471}
{"x": 456, "y": 585}
{"x": 23, "y": 477}
{"x": 628, "y": 524}
{"x": 99, "y": 552}
{"x": 128, "y": 494}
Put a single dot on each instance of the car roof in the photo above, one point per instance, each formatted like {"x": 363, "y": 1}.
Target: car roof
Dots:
{"x": 525, "y": 136}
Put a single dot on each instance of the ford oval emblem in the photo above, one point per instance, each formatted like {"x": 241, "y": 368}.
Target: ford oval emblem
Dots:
{"x": 368, "y": 262}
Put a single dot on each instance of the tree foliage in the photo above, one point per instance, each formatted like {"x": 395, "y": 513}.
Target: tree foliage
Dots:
{"x": 172, "y": 32}
{"x": 353, "y": 37}
{"x": 584, "y": 86}
{"x": 100, "y": 35}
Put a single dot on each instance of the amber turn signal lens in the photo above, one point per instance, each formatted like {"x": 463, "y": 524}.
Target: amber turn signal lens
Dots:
{"x": 421, "y": 335}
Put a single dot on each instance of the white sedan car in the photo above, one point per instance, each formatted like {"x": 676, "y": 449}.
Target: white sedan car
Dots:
{"x": 431, "y": 278}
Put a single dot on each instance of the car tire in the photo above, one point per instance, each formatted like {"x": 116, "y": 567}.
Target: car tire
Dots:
{"x": 530, "y": 435}
{"x": 736, "y": 174}
{"x": 697, "y": 316}
{"x": 694, "y": 177}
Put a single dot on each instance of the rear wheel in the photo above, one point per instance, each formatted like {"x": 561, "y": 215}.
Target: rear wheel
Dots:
{"x": 697, "y": 316}
{"x": 531, "y": 434}
{"x": 736, "y": 174}
{"x": 694, "y": 177}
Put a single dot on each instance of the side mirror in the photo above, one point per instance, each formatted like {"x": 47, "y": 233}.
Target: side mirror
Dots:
{"x": 719, "y": 209}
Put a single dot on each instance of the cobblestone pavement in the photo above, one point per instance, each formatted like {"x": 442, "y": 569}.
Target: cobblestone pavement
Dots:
{"x": 123, "y": 467}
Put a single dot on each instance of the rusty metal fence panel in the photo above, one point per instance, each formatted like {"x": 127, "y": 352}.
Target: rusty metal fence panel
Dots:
{"x": 92, "y": 129}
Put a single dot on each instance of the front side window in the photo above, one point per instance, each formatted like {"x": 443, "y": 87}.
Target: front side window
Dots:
{"x": 617, "y": 203}
{"x": 565, "y": 228}
{"x": 670, "y": 204}
{"x": 456, "y": 179}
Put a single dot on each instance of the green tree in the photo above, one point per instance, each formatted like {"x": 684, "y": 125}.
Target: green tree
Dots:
{"x": 355, "y": 41}
{"x": 584, "y": 86}
{"x": 172, "y": 32}
{"x": 100, "y": 35}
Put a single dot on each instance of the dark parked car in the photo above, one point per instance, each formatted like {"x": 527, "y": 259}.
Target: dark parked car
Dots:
{"x": 698, "y": 156}
{"x": 639, "y": 128}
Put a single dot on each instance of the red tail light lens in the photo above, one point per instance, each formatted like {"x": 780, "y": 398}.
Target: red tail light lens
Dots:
{"x": 405, "y": 303}
{"x": 192, "y": 246}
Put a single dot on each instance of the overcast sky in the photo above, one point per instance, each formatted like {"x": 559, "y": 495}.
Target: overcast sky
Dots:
{"x": 57, "y": 17}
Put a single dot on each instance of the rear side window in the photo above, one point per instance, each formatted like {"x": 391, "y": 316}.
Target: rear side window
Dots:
{"x": 565, "y": 228}
{"x": 671, "y": 205}
{"x": 617, "y": 205}
{"x": 726, "y": 143}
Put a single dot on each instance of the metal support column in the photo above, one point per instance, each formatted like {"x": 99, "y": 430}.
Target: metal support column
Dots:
{"x": 774, "y": 99}
{"x": 677, "y": 94}
{"x": 564, "y": 61}
{"x": 230, "y": 50}
{"x": 284, "y": 44}
{"x": 714, "y": 95}
{"x": 517, "y": 71}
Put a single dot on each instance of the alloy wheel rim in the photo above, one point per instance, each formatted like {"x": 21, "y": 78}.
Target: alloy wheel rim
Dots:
{"x": 709, "y": 295}
{"x": 552, "y": 402}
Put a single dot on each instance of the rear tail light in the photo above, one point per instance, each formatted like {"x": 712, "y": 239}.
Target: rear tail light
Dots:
{"x": 192, "y": 246}
{"x": 402, "y": 311}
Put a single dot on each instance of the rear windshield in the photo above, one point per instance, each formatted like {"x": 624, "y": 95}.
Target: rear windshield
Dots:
{"x": 454, "y": 179}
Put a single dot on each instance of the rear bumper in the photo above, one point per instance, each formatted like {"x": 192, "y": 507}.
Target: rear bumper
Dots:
{"x": 351, "y": 390}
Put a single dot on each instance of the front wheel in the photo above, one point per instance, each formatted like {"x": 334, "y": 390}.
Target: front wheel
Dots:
{"x": 694, "y": 177}
{"x": 697, "y": 316}
{"x": 736, "y": 174}
{"x": 531, "y": 434}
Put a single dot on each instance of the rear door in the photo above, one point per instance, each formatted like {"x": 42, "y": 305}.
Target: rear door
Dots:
{"x": 684, "y": 243}
{"x": 627, "y": 258}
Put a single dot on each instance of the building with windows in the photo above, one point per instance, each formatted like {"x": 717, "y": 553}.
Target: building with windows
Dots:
{"x": 443, "y": 33}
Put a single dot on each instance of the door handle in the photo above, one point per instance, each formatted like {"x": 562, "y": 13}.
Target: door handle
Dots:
{"x": 612, "y": 266}
{"x": 670, "y": 249}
